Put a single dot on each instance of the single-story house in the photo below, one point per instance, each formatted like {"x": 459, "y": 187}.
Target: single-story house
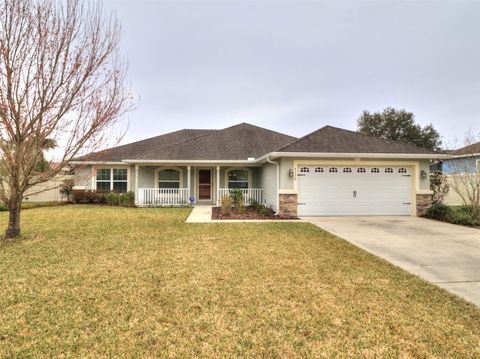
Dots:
{"x": 463, "y": 160}
{"x": 463, "y": 163}
{"x": 331, "y": 171}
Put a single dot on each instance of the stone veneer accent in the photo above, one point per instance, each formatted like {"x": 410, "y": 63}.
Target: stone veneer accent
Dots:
{"x": 288, "y": 205}
{"x": 424, "y": 202}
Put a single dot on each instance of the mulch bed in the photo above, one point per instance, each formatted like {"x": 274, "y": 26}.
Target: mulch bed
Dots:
{"x": 249, "y": 213}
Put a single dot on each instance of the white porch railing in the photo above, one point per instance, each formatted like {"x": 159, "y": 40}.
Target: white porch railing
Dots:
{"x": 250, "y": 195}
{"x": 162, "y": 197}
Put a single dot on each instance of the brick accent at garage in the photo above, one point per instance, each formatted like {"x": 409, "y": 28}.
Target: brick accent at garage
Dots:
{"x": 424, "y": 202}
{"x": 288, "y": 205}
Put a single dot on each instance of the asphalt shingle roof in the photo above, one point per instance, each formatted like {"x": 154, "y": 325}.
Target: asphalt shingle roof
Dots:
{"x": 244, "y": 141}
{"x": 472, "y": 149}
{"x": 238, "y": 142}
{"x": 133, "y": 149}
{"x": 336, "y": 140}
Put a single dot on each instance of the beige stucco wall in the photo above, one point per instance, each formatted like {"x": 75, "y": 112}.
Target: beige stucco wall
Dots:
{"x": 452, "y": 198}
{"x": 48, "y": 191}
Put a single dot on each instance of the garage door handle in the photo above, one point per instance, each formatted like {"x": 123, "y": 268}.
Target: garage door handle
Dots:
{"x": 354, "y": 194}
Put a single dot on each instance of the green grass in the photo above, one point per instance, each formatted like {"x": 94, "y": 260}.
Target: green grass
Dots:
{"x": 90, "y": 281}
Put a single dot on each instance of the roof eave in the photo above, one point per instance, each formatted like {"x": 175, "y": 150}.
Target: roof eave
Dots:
{"x": 418, "y": 156}
{"x": 142, "y": 161}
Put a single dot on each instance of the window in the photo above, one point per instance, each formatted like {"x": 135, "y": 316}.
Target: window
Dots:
{"x": 388, "y": 170}
{"x": 120, "y": 179}
{"x": 333, "y": 170}
{"x": 103, "y": 179}
{"x": 112, "y": 179}
{"x": 402, "y": 170}
{"x": 347, "y": 170}
{"x": 168, "y": 178}
{"x": 375, "y": 170}
{"x": 304, "y": 170}
{"x": 318, "y": 170}
{"x": 361, "y": 170}
{"x": 238, "y": 179}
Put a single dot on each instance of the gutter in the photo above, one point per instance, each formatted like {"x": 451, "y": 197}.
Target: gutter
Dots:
{"x": 278, "y": 183}
{"x": 426, "y": 156}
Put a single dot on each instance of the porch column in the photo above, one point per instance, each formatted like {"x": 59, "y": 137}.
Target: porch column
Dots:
{"x": 218, "y": 185}
{"x": 188, "y": 181}
{"x": 137, "y": 192}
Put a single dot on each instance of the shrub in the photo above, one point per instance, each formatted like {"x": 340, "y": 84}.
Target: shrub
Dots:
{"x": 439, "y": 212}
{"x": 88, "y": 196}
{"x": 462, "y": 218}
{"x": 440, "y": 187}
{"x": 237, "y": 196}
{"x": 127, "y": 199}
{"x": 264, "y": 211}
{"x": 226, "y": 205}
{"x": 66, "y": 188}
{"x": 3, "y": 207}
{"x": 112, "y": 198}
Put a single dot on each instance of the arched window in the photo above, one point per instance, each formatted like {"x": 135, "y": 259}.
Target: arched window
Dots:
{"x": 361, "y": 170}
{"x": 388, "y": 170}
{"x": 375, "y": 170}
{"x": 402, "y": 170}
{"x": 168, "y": 178}
{"x": 304, "y": 170}
{"x": 319, "y": 170}
{"x": 333, "y": 170}
{"x": 347, "y": 170}
{"x": 238, "y": 178}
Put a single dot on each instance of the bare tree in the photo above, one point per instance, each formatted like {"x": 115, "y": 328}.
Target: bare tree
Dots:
{"x": 465, "y": 173}
{"x": 60, "y": 80}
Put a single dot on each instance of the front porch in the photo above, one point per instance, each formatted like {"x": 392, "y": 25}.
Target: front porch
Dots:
{"x": 172, "y": 186}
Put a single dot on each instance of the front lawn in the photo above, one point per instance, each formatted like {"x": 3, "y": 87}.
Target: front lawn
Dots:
{"x": 97, "y": 281}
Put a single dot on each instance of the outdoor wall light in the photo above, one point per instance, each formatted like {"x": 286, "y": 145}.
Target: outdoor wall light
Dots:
{"x": 290, "y": 173}
{"x": 423, "y": 174}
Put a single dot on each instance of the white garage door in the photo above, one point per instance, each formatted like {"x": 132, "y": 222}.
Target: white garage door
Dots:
{"x": 348, "y": 190}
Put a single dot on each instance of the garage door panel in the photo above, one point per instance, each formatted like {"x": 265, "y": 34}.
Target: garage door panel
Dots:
{"x": 383, "y": 191}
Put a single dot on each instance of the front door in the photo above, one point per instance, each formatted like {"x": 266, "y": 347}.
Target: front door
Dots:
{"x": 205, "y": 185}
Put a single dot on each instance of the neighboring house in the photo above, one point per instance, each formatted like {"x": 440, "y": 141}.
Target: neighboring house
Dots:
{"x": 49, "y": 191}
{"x": 463, "y": 162}
{"x": 328, "y": 172}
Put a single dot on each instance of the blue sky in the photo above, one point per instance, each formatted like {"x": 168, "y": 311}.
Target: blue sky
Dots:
{"x": 297, "y": 66}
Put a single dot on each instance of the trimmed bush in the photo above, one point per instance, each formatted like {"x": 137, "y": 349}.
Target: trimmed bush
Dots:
{"x": 88, "y": 196}
{"x": 439, "y": 212}
{"x": 462, "y": 218}
{"x": 127, "y": 199}
{"x": 112, "y": 198}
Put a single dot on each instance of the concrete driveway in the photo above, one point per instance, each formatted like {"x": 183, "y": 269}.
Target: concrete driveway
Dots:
{"x": 444, "y": 254}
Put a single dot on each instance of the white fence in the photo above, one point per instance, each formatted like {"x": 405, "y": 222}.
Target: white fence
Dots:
{"x": 162, "y": 197}
{"x": 250, "y": 195}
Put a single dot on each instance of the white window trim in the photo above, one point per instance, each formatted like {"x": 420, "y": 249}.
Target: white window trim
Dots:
{"x": 96, "y": 169}
{"x": 249, "y": 171}
{"x": 180, "y": 176}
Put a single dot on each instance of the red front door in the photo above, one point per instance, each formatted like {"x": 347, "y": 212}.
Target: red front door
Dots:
{"x": 204, "y": 185}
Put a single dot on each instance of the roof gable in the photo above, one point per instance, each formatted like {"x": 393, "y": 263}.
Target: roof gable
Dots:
{"x": 331, "y": 139}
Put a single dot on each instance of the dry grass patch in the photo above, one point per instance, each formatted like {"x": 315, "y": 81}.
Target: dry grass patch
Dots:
{"x": 114, "y": 282}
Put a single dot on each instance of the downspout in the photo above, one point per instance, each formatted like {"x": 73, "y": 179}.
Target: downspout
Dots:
{"x": 278, "y": 183}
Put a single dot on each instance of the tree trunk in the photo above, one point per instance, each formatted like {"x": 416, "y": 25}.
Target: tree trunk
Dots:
{"x": 13, "y": 229}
